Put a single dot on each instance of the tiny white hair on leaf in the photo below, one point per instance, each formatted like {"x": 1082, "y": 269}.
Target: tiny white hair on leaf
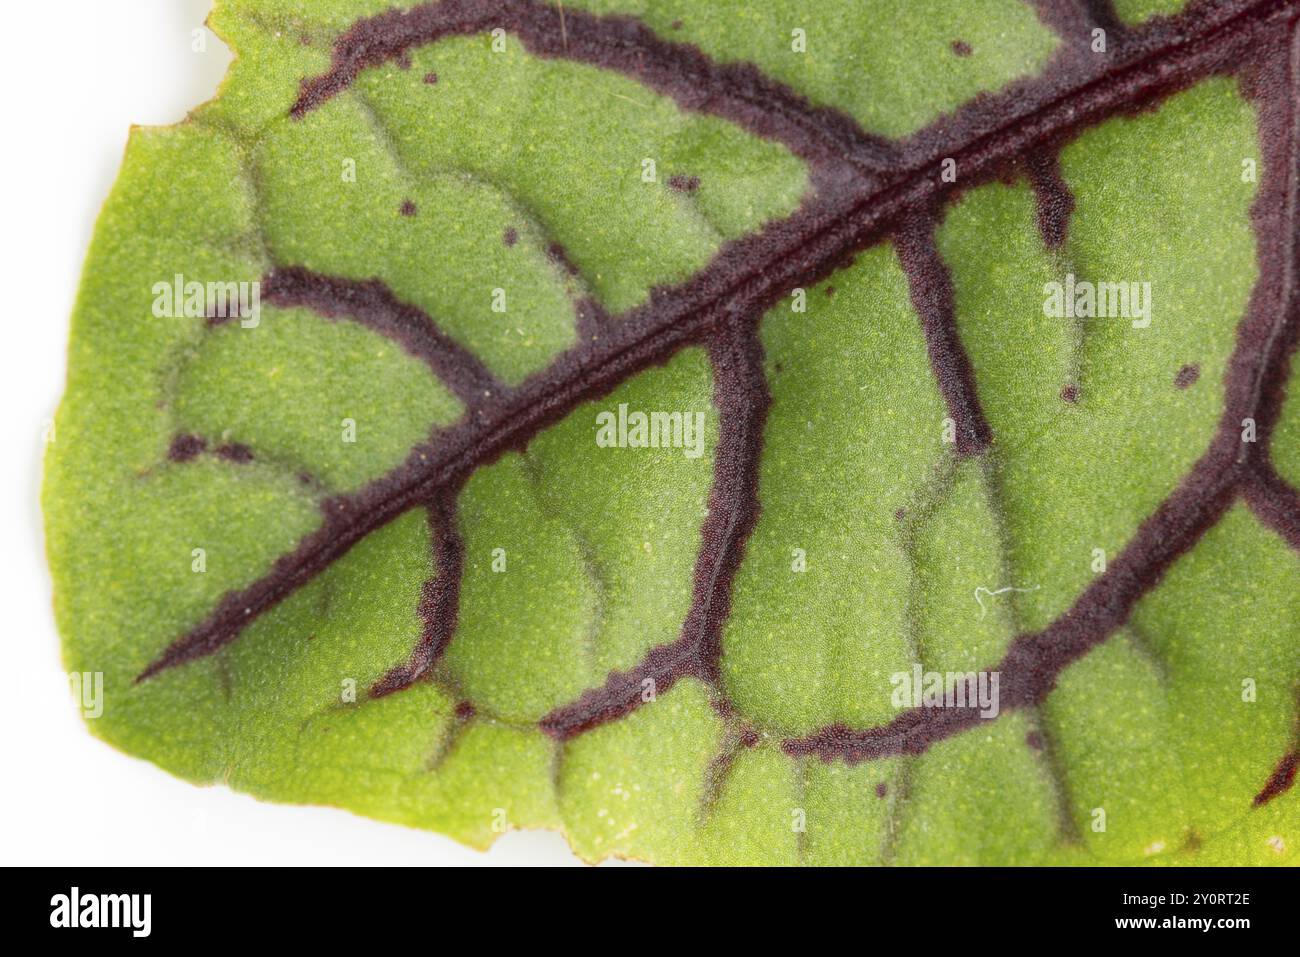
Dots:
{"x": 1001, "y": 591}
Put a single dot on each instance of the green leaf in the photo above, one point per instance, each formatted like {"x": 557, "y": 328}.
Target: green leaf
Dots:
{"x": 365, "y": 543}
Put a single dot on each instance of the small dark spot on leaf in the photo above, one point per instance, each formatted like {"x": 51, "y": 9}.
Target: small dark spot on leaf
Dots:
{"x": 408, "y": 208}
{"x": 431, "y": 78}
{"x": 677, "y": 24}
{"x": 404, "y": 61}
{"x": 1187, "y": 375}
{"x": 464, "y": 710}
{"x": 683, "y": 184}
{"x": 1193, "y": 841}
{"x": 780, "y": 367}
{"x": 186, "y": 447}
{"x": 961, "y": 48}
{"x": 830, "y": 291}
{"x": 882, "y": 789}
{"x": 511, "y": 236}
{"x": 1070, "y": 393}
{"x": 1034, "y": 740}
{"x": 900, "y": 514}
{"x": 305, "y": 40}
{"x": 749, "y": 738}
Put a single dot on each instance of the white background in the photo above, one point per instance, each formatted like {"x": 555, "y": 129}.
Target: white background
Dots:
{"x": 74, "y": 76}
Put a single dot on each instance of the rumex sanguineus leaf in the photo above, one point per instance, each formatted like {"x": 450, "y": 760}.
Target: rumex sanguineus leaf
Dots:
{"x": 640, "y": 418}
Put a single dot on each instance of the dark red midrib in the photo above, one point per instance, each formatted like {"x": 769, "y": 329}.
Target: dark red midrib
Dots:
{"x": 659, "y": 337}
{"x": 631, "y": 343}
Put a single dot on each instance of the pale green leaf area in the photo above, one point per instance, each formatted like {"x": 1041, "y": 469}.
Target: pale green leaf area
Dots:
{"x": 876, "y": 549}
{"x": 241, "y": 387}
{"x": 890, "y": 64}
{"x": 598, "y": 561}
{"x": 820, "y": 617}
{"x": 1136, "y": 11}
